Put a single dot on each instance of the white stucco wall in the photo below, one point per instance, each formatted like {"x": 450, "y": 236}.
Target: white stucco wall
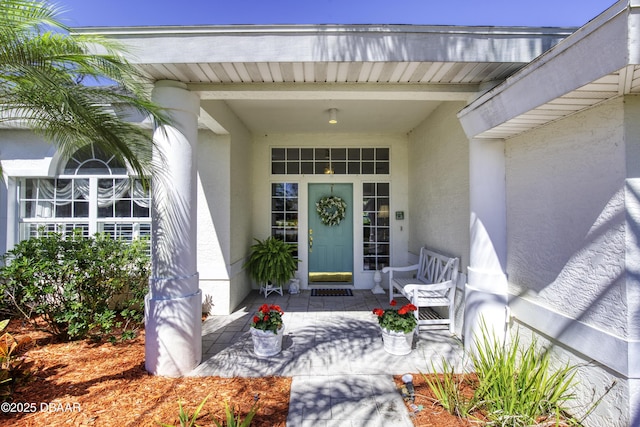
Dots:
{"x": 439, "y": 184}
{"x": 565, "y": 217}
{"x": 23, "y": 154}
{"x": 439, "y": 188}
{"x": 632, "y": 202}
{"x": 571, "y": 242}
{"x": 592, "y": 381}
{"x": 224, "y": 209}
{"x": 262, "y": 180}
{"x": 213, "y": 219}
{"x": 241, "y": 208}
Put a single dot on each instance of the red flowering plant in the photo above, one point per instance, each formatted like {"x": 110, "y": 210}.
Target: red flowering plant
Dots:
{"x": 398, "y": 320}
{"x": 268, "y": 318}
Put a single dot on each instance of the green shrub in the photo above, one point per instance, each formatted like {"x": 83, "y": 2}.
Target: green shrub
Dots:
{"x": 235, "y": 420}
{"x": 447, "y": 389}
{"x": 517, "y": 386}
{"x": 184, "y": 418}
{"x": 231, "y": 420}
{"x": 78, "y": 286}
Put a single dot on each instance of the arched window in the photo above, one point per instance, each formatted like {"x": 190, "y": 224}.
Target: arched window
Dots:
{"x": 90, "y": 160}
{"x": 93, "y": 193}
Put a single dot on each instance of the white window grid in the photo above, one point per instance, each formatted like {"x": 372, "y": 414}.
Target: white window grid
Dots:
{"x": 333, "y": 160}
{"x": 375, "y": 223}
{"x": 44, "y": 209}
{"x": 285, "y": 211}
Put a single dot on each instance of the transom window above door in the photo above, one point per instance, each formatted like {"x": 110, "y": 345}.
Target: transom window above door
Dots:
{"x": 338, "y": 161}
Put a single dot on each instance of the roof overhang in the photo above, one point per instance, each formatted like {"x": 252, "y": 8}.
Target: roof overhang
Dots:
{"x": 600, "y": 61}
{"x": 332, "y": 43}
{"x": 282, "y": 78}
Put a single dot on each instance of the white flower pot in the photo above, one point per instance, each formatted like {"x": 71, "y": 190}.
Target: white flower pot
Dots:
{"x": 266, "y": 343}
{"x": 397, "y": 343}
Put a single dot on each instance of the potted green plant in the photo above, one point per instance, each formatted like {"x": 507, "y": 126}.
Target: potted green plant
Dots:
{"x": 398, "y": 326}
{"x": 271, "y": 263}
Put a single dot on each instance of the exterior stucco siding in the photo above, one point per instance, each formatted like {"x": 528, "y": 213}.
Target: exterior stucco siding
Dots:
{"x": 240, "y": 210}
{"x": 572, "y": 218}
{"x": 439, "y": 184}
{"x": 224, "y": 165}
{"x": 213, "y": 219}
{"x": 632, "y": 201}
{"x": 23, "y": 154}
{"x": 592, "y": 381}
{"x": 565, "y": 217}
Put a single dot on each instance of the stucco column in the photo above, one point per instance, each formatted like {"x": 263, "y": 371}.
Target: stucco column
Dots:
{"x": 173, "y": 306}
{"x": 486, "y": 288}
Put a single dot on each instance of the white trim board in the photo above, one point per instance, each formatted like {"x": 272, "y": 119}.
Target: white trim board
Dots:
{"x": 617, "y": 353}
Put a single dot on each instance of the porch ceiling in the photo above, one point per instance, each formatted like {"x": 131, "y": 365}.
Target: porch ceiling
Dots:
{"x": 332, "y": 72}
{"x": 294, "y": 97}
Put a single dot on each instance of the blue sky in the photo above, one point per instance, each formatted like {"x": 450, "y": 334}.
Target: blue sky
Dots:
{"x": 547, "y": 13}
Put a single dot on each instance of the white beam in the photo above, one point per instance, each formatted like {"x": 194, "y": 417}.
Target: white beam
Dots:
{"x": 210, "y": 123}
{"x": 320, "y": 91}
{"x": 326, "y": 43}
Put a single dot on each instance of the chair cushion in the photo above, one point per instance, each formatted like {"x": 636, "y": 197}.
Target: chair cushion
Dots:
{"x": 424, "y": 296}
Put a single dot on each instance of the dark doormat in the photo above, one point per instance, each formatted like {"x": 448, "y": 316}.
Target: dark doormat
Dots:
{"x": 331, "y": 293}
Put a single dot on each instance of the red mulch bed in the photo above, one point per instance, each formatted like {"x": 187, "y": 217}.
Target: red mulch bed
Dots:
{"x": 83, "y": 383}
{"x": 432, "y": 413}
{"x": 100, "y": 384}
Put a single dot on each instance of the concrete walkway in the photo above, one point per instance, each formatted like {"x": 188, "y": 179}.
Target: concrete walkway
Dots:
{"x": 333, "y": 350}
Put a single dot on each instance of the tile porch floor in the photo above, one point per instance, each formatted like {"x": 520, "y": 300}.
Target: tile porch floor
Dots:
{"x": 333, "y": 349}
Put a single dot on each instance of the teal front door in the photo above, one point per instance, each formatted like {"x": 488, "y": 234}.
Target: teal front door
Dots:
{"x": 330, "y": 246}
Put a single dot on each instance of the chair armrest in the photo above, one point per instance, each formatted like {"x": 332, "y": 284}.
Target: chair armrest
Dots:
{"x": 390, "y": 270}
{"x": 430, "y": 286}
{"x": 407, "y": 268}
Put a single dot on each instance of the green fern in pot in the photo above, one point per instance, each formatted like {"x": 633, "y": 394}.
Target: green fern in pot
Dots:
{"x": 272, "y": 261}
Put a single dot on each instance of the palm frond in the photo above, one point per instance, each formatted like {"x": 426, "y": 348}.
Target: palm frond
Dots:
{"x": 44, "y": 76}
{"x": 28, "y": 14}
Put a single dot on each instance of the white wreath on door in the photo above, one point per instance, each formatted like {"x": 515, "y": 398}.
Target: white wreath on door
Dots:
{"x": 331, "y": 210}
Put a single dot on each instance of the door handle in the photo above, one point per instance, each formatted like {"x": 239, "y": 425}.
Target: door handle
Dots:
{"x": 310, "y": 240}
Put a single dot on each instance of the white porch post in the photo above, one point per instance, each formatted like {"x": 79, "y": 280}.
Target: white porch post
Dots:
{"x": 486, "y": 290}
{"x": 173, "y": 306}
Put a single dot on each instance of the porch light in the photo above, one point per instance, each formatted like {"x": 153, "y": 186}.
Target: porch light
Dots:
{"x": 333, "y": 116}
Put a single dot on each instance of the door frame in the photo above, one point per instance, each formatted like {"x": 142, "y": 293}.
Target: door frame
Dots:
{"x": 350, "y": 212}
{"x": 360, "y": 279}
